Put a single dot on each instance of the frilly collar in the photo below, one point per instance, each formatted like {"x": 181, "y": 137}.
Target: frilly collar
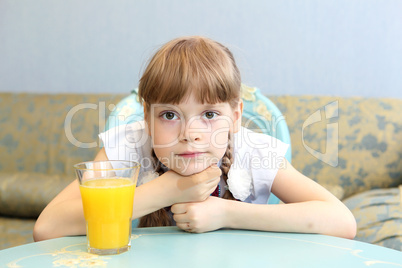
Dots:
{"x": 239, "y": 182}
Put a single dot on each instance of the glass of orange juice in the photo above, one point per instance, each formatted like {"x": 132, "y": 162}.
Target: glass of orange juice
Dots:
{"x": 107, "y": 191}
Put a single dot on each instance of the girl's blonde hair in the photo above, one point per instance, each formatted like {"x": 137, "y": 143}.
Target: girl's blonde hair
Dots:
{"x": 195, "y": 65}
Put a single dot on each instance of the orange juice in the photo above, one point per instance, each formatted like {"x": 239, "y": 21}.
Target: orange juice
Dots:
{"x": 108, "y": 208}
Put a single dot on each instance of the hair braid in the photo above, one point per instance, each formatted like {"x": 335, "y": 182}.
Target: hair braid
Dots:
{"x": 161, "y": 216}
{"x": 226, "y": 162}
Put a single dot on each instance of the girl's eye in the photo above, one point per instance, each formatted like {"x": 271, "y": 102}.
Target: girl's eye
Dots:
{"x": 210, "y": 115}
{"x": 169, "y": 116}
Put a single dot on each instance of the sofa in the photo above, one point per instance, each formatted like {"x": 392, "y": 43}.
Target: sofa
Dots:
{"x": 352, "y": 146}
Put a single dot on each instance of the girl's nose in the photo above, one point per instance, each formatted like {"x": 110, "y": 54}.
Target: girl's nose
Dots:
{"x": 192, "y": 131}
{"x": 191, "y": 137}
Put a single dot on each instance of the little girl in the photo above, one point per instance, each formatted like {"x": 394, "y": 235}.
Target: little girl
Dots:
{"x": 201, "y": 170}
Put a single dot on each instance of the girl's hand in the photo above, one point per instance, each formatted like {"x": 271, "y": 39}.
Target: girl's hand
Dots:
{"x": 194, "y": 188}
{"x": 200, "y": 217}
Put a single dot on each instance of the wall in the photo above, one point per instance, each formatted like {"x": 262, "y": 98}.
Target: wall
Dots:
{"x": 332, "y": 47}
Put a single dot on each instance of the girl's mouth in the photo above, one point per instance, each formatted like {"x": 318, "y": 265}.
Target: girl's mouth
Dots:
{"x": 190, "y": 154}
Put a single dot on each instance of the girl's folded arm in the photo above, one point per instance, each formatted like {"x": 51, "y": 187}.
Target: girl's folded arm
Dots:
{"x": 171, "y": 188}
{"x": 308, "y": 208}
{"x": 64, "y": 215}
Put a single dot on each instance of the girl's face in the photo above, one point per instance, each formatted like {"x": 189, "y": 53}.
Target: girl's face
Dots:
{"x": 191, "y": 136}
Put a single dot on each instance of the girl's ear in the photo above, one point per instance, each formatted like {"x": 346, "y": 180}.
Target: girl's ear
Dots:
{"x": 238, "y": 113}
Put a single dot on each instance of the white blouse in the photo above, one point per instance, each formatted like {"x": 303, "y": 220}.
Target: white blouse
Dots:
{"x": 257, "y": 158}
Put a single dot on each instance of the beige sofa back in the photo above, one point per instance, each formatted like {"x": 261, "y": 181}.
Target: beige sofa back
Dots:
{"x": 369, "y": 140}
{"x": 35, "y": 136}
{"x": 34, "y": 139}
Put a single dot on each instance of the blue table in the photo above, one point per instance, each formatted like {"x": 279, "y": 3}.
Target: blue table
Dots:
{"x": 171, "y": 247}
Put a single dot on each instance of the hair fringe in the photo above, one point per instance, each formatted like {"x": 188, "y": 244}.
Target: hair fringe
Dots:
{"x": 195, "y": 65}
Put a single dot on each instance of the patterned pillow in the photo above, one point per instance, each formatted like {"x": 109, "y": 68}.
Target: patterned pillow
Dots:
{"x": 379, "y": 216}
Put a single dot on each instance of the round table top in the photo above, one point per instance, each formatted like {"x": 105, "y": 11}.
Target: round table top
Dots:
{"x": 169, "y": 246}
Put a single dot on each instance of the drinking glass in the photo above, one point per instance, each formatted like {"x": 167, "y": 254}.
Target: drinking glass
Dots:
{"x": 107, "y": 191}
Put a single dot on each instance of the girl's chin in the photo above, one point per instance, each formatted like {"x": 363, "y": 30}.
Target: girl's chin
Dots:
{"x": 193, "y": 167}
{"x": 190, "y": 170}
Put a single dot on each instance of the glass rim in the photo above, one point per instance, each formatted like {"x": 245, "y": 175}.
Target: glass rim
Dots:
{"x": 137, "y": 165}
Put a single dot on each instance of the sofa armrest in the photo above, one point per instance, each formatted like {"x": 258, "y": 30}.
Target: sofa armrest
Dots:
{"x": 27, "y": 194}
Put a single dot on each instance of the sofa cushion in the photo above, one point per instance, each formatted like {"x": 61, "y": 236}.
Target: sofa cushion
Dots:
{"x": 26, "y": 194}
{"x": 379, "y": 216}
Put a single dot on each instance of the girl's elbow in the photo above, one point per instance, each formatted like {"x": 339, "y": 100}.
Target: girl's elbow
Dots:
{"x": 41, "y": 230}
{"x": 352, "y": 230}
{"x": 349, "y": 227}
{"x": 349, "y": 234}
{"x": 343, "y": 224}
